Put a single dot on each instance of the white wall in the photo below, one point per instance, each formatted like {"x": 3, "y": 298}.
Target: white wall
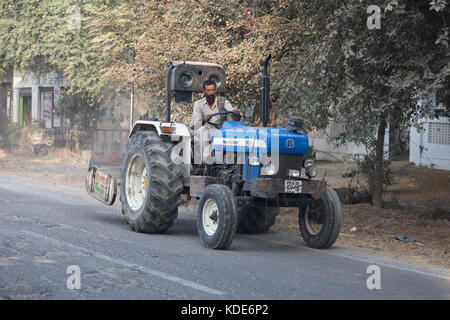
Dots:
{"x": 329, "y": 151}
{"x": 423, "y": 152}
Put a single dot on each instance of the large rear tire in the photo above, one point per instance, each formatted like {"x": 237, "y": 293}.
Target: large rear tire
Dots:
{"x": 256, "y": 220}
{"x": 217, "y": 216}
{"x": 321, "y": 221}
{"x": 151, "y": 183}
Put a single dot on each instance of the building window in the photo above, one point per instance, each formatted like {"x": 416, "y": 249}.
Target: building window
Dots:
{"x": 439, "y": 133}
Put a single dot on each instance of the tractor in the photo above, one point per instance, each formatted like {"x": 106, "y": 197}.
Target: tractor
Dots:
{"x": 252, "y": 173}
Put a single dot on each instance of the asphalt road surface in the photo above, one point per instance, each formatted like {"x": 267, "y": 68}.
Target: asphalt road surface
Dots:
{"x": 55, "y": 239}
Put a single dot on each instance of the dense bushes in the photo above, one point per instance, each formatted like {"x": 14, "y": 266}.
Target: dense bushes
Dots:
{"x": 9, "y": 132}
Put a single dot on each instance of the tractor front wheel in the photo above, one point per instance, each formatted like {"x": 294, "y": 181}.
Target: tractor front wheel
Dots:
{"x": 217, "y": 216}
{"x": 321, "y": 220}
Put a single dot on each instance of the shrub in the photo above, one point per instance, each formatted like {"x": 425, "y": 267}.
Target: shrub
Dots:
{"x": 9, "y": 132}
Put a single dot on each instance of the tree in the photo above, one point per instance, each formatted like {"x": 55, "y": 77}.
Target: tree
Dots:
{"x": 56, "y": 35}
{"x": 236, "y": 34}
{"x": 366, "y": 78}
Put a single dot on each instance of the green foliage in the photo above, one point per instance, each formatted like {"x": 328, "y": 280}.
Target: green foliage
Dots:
{"x": 41, "y": 35}
{"x": 10, "y": 133}
{"x": 327, "y": 65}
{"x": 355, "y": 75}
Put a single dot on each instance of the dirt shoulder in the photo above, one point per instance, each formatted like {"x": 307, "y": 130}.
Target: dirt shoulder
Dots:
{"x": 61, "y": 167}
{"x": 418, "y": 206}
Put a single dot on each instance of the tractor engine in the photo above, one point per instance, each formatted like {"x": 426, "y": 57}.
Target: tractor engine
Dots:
{"x": 263, "y": 152}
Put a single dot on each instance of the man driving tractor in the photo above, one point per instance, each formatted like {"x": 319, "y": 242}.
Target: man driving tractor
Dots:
{"x": 204, "y": 126}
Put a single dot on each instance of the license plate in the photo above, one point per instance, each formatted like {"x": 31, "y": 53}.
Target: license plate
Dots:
{"x": 293, "y": 186}
{"x": 100, "y": 183}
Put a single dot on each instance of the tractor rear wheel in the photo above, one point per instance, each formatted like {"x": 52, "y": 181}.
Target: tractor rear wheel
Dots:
{"x": 320, "y": 222}
{"x": 256, "y": 220}
{"x": 151, "y": 183}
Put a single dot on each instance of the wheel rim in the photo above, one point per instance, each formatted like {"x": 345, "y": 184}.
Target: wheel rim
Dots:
{"x": 314, "y": 219}
{"x": 210, "y": 217}
{"x": 136, "y": 183}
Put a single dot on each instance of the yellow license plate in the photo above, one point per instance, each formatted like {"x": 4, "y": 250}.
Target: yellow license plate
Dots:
{"x": 293, "y": 186}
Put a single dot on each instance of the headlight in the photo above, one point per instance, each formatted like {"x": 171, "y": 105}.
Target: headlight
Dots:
{"x": 311, "y": 171}
{"x": 310, "y": 168}
{"x": 308, "y": 162}
{"x": 269, "y": 169}
{"x": 294, "y": 173}
{"x": 254, "y": 161}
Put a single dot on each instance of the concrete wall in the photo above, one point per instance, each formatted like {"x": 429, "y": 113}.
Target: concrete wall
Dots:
{"x": 117, "y": 111}
{"x": 430, "y": 146}
{"x": 328, "y": 151}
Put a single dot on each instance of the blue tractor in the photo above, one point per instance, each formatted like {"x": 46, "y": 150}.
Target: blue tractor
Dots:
{"x": 252, "y": 173}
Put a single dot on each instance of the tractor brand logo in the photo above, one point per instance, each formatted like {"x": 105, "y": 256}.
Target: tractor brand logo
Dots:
{"x": 290, "y": 143}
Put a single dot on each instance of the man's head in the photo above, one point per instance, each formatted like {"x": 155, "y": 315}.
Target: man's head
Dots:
{"x": 209, "y": 91}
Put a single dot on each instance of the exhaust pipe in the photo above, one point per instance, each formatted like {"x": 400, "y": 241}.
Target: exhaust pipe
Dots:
{"x": 265, "y": 93}
{"x": 168, "y": 91}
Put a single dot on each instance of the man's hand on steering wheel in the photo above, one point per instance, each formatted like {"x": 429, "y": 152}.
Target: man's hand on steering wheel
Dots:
{"x": 206, "y": 119}
{"x": 220, "y": 114}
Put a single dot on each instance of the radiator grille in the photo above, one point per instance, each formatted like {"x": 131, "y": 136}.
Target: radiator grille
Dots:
{"x": 286, "y": 162}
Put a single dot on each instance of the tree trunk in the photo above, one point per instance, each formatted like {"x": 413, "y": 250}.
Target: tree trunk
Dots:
{"x": 379, "y": 174}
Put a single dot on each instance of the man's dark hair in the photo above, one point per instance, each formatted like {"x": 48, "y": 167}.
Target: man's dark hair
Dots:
{"x": 208, "y": 83}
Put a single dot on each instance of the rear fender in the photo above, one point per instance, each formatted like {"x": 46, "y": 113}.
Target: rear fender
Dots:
{"x": 180, "y": 129}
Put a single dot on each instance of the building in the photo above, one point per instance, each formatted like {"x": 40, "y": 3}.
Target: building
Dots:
{"x": 31, "y": 98}
{"x": 36, "y": 99}
{"x": 430, "y": 145}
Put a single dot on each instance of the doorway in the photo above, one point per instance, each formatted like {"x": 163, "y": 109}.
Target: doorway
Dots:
{"x": 26, "y": 111}
{"x": 25, "y": 108}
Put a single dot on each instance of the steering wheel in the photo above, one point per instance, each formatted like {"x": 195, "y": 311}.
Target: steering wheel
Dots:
{"x": 217, "y": 114}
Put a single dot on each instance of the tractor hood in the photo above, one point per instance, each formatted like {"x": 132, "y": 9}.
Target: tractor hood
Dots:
{"x": 235, "y": 136}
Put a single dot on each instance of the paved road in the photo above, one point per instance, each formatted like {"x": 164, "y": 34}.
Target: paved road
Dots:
{"x": 46, "y": 228}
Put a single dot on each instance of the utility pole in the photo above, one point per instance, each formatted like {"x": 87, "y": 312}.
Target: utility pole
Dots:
{"x": 130, "y": 55}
